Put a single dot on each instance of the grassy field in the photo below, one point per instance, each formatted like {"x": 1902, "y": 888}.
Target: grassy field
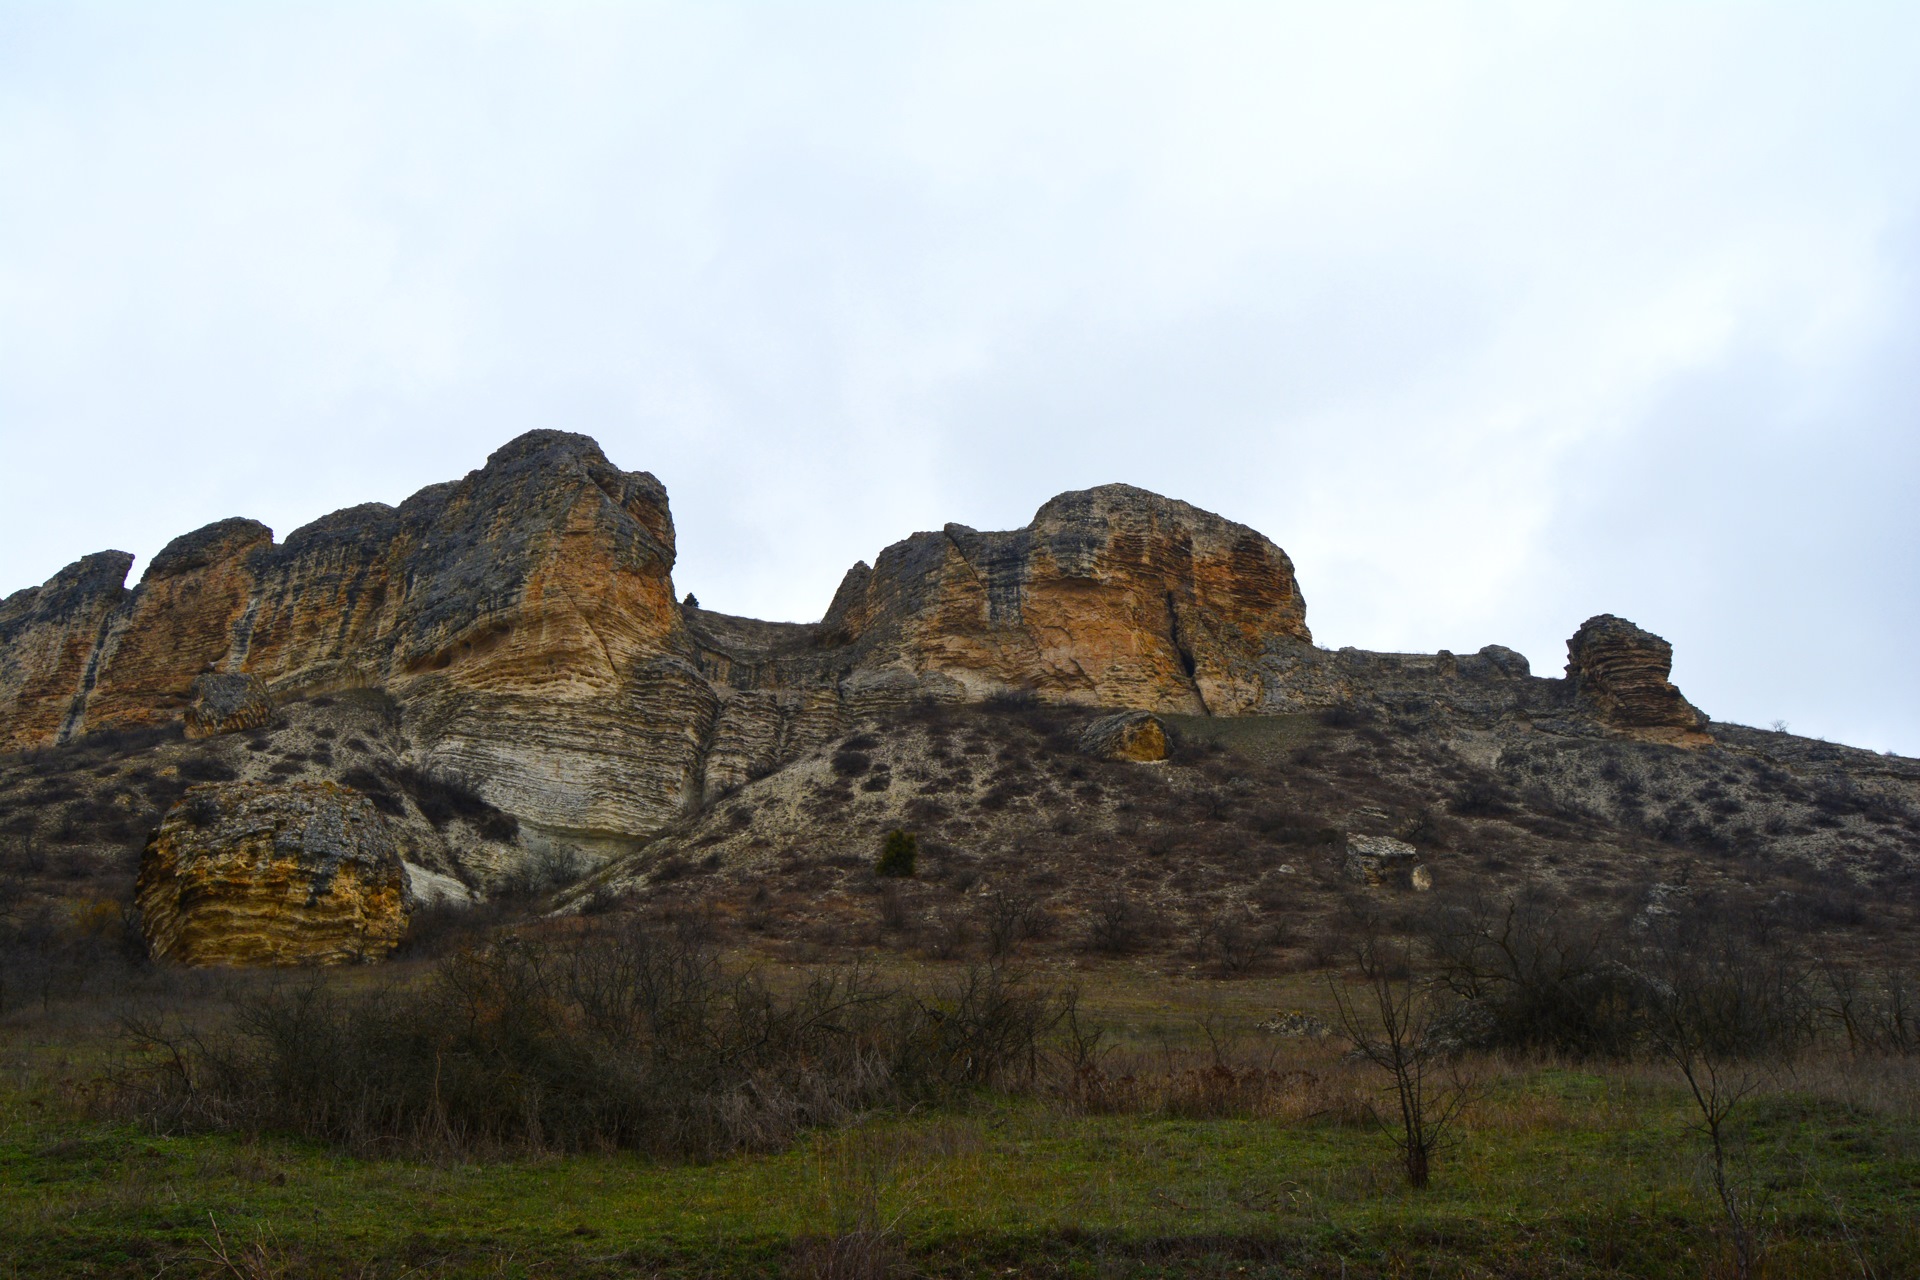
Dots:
{"x": 1557, "y": 1171}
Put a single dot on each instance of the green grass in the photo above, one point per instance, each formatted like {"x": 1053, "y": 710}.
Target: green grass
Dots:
{"x": 1558, "y": 1172}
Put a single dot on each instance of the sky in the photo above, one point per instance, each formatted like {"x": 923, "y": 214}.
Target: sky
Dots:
{"x": 1495, "y": 317}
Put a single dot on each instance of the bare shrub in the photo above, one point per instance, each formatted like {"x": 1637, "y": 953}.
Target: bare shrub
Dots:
{"x": 1392, "y": 1026}
{"x": 1117, "y": 925}
{"x": 620, "y": 1035}
{"x": 1009, "y": 918}
{"x": 1725, "y": 1016}
{"x": 1533, "y": 976}
{"x": 1878, "y": 1013}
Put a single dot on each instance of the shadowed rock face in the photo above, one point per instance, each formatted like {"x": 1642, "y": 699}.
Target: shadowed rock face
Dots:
{"x": 244, "y": 874}
{"x": 1620, "y": 671}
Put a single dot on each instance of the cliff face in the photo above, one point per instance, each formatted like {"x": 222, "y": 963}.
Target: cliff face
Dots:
{"x": 243, "y": 874}
{"x": 50, "y": 638}
{"x": 1111, "y": 597}
{"x": 1619, "y": 672}
{"x": 524, "y": 617}
{"x": 524, "y": 621}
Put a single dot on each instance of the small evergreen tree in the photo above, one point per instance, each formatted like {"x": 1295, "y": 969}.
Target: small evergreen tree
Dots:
{"x": 897, "y": 854}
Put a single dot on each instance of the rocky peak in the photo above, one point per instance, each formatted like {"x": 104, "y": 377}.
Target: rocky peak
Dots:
{"x": 207, "y": 546}
{"x": 49, "y": 639}
{"x": 1619, "y": 672}
{"x": 1111, "y": 596}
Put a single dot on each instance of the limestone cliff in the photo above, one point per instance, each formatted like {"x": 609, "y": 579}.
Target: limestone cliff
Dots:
{"x": 245, "y": 874}
{"x": 50, "y": 639}
{"x": 1110, "y": 597}
{"x": 524, "y": 622}
{"x": 1620, "y": 672}
{"x": 524, "y": 616}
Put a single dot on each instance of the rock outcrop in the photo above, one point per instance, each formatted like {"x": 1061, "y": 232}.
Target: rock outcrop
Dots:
{"x": 50, "y": 641}
{"x": 1110, "y": 597}
{"x": 1130, "y": 735}
{"x": 178, "y": 624}
{"x": 227, "y": 702}
{"x": 524, "y": 621}
{"x": 1619, "y": 672}
{"x": 303, "y": 873}
{"x": 523, "y": 616}
{"x": 1382, "y": 861}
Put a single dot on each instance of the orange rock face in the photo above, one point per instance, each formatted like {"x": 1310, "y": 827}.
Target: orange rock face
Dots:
{"x": 1131, "y": 735}
{"x": 522, "y": 616}
{"x": 179, "y": 624}
{"x": 1111, "y": 597}
{"x": 50, "y": 638}
{"x": 1620, "y": 673}
{"x": 525, "y": 623}
{"x": 298, "y": 874}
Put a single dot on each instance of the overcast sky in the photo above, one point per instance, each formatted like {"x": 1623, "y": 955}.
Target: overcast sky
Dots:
{"x": 1495, "y": 317}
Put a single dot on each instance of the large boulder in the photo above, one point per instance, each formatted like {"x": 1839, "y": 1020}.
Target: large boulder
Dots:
{"x": 1131, "y": 735}
{"x": 304, "y": 873}
{"x": 225, "y": 702}
{"x": 1619, "y": 673}
{"x": 1383, "y": 862}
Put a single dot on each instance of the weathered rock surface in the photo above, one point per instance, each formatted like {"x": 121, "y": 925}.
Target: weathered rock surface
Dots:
{"x": 1378, "y": 861}
{"x": 1130, "y": 735}
{"x": 1620, "y": 672}
{"x": 50, "y": 639}
{"x": 520, "y": 615}
{"x": 524, "y": 621}
{"x": 303, "y": 873}
{"x": 1110, "y": 597}
{"x": 178, "y": 624}
{"x": 224, "y": 703}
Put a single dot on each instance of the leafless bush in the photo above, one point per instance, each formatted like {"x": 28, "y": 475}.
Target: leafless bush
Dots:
{"x": 1530, "y": 975}
{"x": 1393, "y": 1025}
{"x": 1117, "y": 925}
{"x": 1225, "y": 1078}
{"x": 1725, "y": 1015}
{"x": 1878, "y": 1013}
{"x": 622, "y": 1035}
{"x": 1233, "y": 947}
{"x": 1009, "y": 918}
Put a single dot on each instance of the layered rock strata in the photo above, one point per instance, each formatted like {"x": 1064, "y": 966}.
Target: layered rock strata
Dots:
{"x": 1619, "y": 672}
{"x": 1131, "y": 735}
{"x": 303, "y": 873}
{"x": 524, "y": 620}
{"x": 227, "y": 702}
{"x": 1110, "y": 597}
{"x": 50, "y": 642}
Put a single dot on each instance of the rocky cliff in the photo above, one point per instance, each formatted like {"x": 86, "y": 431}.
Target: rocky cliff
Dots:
{"x": 1620, "y": 672}
{"x": 244, "y": 874}
{"x": 1110, "y": 597}
{"x": 523, "y": 619}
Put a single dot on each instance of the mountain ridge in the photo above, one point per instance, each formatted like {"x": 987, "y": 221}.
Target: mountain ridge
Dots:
{"x": 525, "y": 620}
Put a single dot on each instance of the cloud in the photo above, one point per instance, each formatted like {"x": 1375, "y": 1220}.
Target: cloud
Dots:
{"x": 1493, "y": 316}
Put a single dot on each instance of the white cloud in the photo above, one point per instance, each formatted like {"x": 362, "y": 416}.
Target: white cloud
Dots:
{"x": 1494, "y": 317}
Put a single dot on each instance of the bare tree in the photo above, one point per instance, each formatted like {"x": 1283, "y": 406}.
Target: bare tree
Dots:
{"x": 1720, "y": 1012}
{"x": 1393, "y": 1026}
